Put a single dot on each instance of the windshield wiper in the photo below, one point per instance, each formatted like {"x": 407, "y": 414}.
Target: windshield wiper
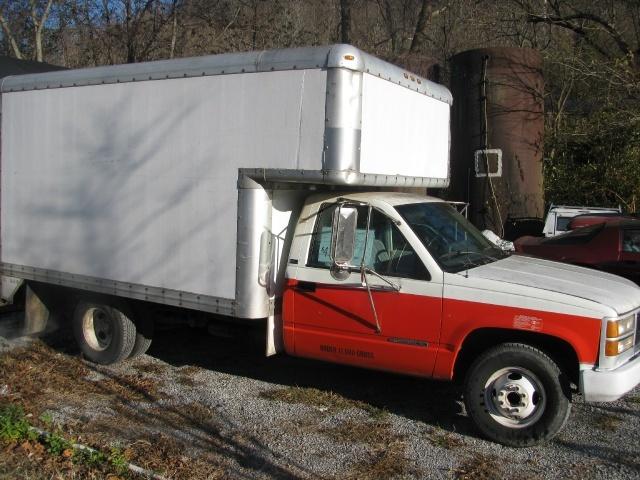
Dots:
{"x": 466, "y": 253}
{"x": 465, "y": 256}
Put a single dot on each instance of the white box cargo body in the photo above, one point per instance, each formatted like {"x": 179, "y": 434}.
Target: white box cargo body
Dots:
{"x": 169, "y": 181}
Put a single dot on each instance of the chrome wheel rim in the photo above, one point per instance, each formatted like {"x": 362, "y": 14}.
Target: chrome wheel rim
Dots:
{"x": 515, "y": 397}
{"x": 97, "y": 328}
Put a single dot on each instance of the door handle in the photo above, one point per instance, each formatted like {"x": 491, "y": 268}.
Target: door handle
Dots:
{"x": 305, "y": 287}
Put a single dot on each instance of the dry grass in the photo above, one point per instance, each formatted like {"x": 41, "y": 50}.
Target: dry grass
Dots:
{"x": 186, "y": 381}
{"x": 606, "y": 422}
{"x": 478, "y": 467}
{"x": 139, "y": 425}
{"x": 41, "y": 378}
{"x": 385, "y": 449}
{"x": 131, "y": 388}
{"x": 186, "y": 374}
{"x": 163, "y": 454}
{"x": 442, "y": 439}
{"x": 325, "y": 401}
{"x": 35, "y": 374}
{"x": 387, "y": 462}
{"x": 189, "y": 370}
{"x": 26, "y": 462}
{"x": 178, "y": 441}
{"x": 370, "y": 433}
{"x": 150, "y": 368}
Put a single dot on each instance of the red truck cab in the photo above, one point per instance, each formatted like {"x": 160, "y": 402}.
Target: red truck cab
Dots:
{"x": 403, "y": 283}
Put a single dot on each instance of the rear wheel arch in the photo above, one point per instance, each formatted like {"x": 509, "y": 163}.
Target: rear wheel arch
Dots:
{"x": 479, "y": 341}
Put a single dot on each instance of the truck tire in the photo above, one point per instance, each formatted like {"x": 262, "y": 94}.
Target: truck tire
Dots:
{"x": 516, "y": 395}
{"x": 104, "y": 333}
{"x": 144, "y": 334}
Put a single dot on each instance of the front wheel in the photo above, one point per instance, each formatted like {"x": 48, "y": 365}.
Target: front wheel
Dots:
{"x": 516, "y": 395}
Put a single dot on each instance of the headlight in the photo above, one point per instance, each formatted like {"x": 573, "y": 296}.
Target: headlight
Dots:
{"x": 620, "y": 335}
{"x": 621, "y": 327}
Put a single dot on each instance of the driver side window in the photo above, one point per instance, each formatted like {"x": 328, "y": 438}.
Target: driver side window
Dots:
{"x": 388, "y": 253}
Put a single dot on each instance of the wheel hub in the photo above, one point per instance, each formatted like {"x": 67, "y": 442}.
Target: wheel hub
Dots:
{"x": 514, "y": 397}
{"x": 97, "y": 328}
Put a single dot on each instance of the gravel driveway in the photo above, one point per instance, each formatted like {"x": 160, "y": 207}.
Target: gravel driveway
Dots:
{"x": 204, "y": 407}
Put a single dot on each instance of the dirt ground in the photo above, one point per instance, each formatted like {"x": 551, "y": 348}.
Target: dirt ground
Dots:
{"x": 204, "y": 407}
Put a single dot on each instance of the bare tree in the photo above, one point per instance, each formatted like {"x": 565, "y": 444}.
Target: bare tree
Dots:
{"x": 38, "y": 15}
{"x": 428, "y": 11}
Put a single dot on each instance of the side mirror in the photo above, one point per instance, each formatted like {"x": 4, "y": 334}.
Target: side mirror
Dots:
{"x": 343, "y": 237}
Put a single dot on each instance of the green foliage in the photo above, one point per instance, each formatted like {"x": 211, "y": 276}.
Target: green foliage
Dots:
{"x": 14, "y": 426}
{"x": 90, "y": 458}
{"x": 118, "y": 461}
{"x": 47, "y": 419}
{"x": 596, "y": 162}
{"x": 55, "y": 443}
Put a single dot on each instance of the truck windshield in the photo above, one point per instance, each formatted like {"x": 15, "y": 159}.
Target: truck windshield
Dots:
{"x": 449, "y": 237}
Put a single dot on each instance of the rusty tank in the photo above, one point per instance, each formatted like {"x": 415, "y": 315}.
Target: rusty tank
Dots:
{"x": 497, "y": 128}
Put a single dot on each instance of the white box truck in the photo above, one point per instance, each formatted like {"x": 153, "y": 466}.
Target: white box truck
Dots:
{"x": 261, "y": 187}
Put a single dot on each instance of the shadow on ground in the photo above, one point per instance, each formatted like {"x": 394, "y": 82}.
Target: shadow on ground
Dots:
{"x": 432, "y": 402}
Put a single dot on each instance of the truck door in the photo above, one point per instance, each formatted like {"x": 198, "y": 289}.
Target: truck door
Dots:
{"x": 392, "y": 325}
{"x": 629, "y": 264}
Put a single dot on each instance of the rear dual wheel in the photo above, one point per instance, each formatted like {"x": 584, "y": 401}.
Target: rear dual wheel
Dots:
{"x": 516, "y": 395}
{"x": 107, "y": 334}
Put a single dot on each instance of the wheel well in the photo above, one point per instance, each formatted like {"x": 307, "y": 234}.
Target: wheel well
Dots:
{"x": 480, "y": 340}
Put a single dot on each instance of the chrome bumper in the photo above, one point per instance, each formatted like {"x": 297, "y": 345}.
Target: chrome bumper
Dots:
{"x": 609, "y": 385}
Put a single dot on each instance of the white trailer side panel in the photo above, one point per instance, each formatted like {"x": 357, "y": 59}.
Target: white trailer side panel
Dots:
{"x": 136, "y": 182}
{"x": 403, "y": 132}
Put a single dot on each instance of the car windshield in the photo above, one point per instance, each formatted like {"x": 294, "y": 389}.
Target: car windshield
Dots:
{"x": 449, "y": 237}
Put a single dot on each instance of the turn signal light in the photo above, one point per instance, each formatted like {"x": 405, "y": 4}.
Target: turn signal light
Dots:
{"x": 616, "y": 347}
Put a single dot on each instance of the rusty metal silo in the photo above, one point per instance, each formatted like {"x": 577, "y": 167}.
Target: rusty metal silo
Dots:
{"x": 497, "y": 132}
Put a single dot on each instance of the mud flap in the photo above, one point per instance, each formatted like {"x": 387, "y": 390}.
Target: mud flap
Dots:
{"x": 8, "y": 288}
{"x": 36, "y": 313}
{"x": 275, "y": 343}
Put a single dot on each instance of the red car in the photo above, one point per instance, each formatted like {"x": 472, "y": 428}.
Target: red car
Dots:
{"x": 611, "y": 245}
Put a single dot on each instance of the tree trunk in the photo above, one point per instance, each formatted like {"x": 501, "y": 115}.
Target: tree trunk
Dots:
{"x": 345, "y": 21}
{"x": 38, "y": 27}
{"x": 10, "y": 37}
{"x": 174, "y": 31}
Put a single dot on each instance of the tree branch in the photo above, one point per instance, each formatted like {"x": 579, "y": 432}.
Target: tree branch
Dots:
{"x": 566, "y": 22}
{"x": 10, "y": 37}
{"x": 427, "y": 13}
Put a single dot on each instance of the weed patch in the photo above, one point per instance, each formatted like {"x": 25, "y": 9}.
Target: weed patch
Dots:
{"x": 606, "y": 422}
{"x": 385, "y": 449}
{"x": 14, "y": 427}
{"x": 369, "y": 433}
{"x": 388, "y": 461}
{"x": 150, "y": 368}
{"x": 478, "y": 467}
{"x": 53, "y": 452}
{"x": 442, "y": 439}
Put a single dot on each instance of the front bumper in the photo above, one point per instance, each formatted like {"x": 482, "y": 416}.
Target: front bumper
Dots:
{"x": 609, "y": 385}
